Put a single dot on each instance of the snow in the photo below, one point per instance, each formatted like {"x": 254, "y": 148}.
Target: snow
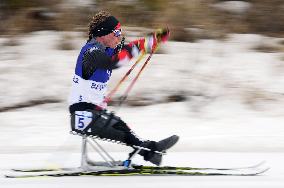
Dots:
{"x": 233, "y": 115}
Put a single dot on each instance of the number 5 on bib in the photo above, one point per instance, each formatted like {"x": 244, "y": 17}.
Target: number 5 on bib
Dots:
{"x": 82, "y": 119}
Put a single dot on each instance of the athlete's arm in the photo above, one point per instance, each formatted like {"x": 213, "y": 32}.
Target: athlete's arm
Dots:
{"x": 93, "y": 60}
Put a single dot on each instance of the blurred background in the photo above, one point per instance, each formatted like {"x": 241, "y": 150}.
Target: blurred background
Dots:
{"x": 221, "y": 72}
{"x": 189, "y": 19}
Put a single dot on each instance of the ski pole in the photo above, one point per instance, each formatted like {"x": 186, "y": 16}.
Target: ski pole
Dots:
{"x": 114, "y": 90}
{"x": 125, "y": 95}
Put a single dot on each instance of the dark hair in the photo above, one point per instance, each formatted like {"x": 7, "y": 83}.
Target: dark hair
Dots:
{"x": 100, "y": 17}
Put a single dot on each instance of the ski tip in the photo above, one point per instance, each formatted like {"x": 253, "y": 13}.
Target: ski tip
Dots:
{"x": 260, "y": 163}
{"x": 263, "y": 171}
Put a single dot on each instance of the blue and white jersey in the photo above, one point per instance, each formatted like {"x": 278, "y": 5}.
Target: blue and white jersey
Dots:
{"x": 91, "y": 89}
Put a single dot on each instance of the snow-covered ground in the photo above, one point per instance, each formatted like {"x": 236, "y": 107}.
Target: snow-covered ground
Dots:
{"x": 232, "y": 115}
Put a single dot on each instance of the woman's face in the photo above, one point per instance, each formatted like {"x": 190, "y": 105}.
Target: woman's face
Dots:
{"x": 111, "y": 40}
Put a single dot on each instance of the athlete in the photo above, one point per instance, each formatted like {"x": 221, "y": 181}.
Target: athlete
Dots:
{"x": 104, "y": 51}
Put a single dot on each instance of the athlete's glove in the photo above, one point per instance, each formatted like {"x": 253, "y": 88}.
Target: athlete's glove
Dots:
{"x": 162, "y": 35}
{"x": 153, "y": 39}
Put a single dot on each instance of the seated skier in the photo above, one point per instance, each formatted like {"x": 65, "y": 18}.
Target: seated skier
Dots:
{"x": 104, "y": 51}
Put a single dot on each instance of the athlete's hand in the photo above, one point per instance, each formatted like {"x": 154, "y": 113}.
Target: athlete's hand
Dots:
{"x": 162, "y": 35}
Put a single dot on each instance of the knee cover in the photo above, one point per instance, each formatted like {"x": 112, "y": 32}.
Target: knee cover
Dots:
{"x": 101, "y": 124}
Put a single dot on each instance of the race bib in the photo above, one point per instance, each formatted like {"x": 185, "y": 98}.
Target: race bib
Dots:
{"x": 82, "y": 119}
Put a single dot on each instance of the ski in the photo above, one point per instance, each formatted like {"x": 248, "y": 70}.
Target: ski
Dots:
{"x": 144, "y": 172}
{"x": 44, "y": 169}
{"x": 196, "y": 168}
{"x": 143, "y": 168}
